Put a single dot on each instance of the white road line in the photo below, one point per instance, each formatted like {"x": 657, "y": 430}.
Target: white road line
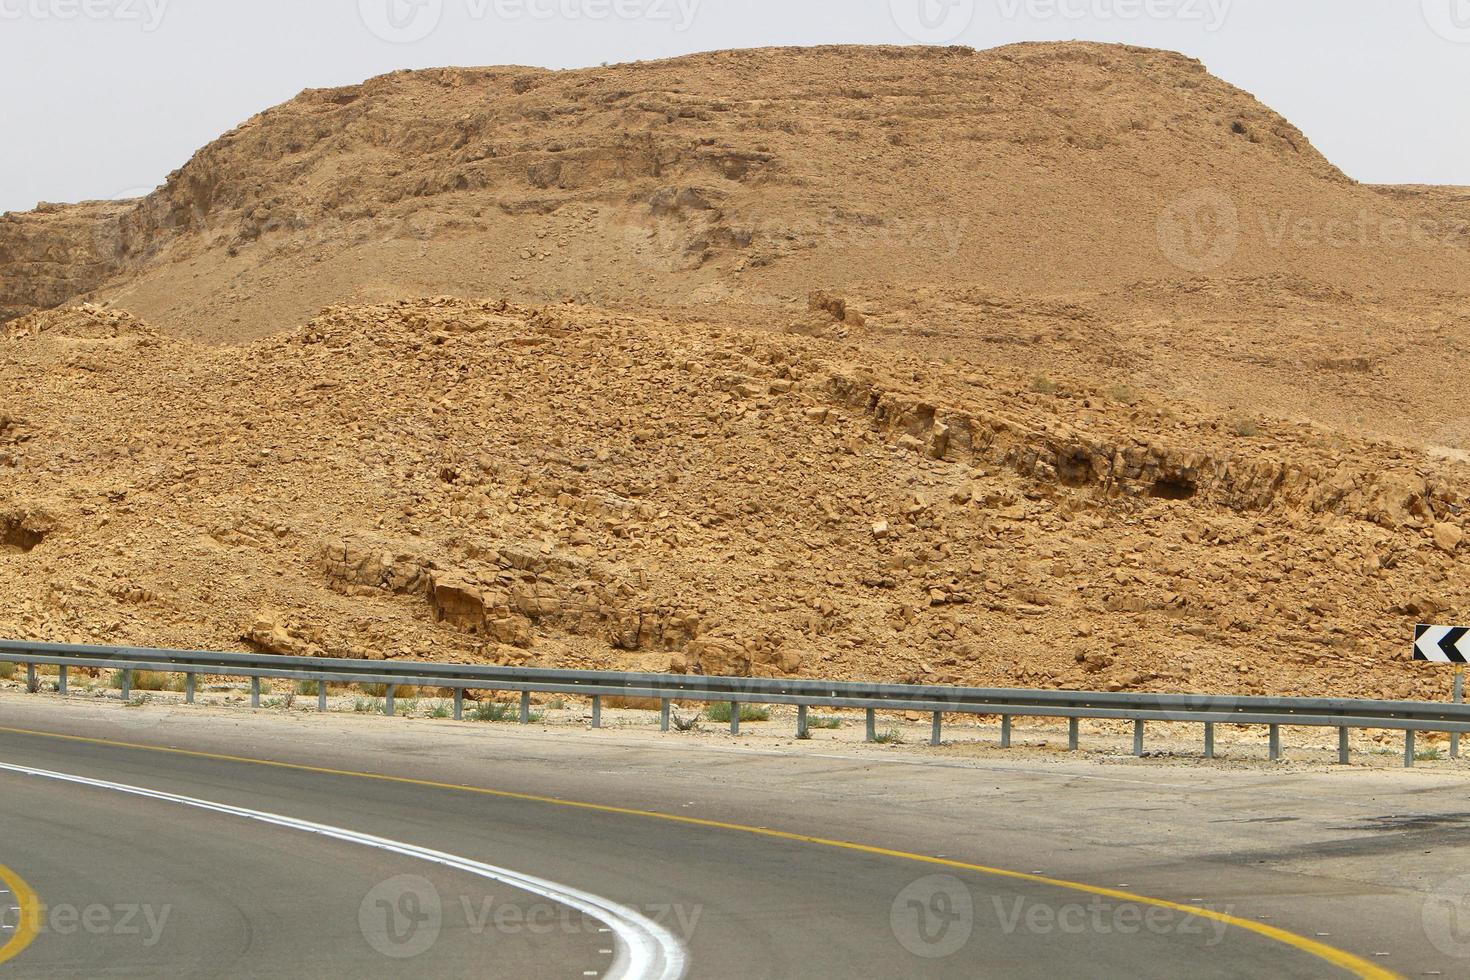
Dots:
{"x": 645, "y": 949}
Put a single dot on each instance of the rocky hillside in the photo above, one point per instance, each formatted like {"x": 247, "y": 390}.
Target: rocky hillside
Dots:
{"x": 1058, "y": 364}
{"x": 564, "y": 485}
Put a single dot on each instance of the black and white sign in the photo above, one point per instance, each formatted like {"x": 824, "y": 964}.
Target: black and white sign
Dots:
{"x": 1442, "y": 644}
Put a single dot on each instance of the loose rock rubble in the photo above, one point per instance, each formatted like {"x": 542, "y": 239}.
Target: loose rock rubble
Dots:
{"x": 562, "y": 485}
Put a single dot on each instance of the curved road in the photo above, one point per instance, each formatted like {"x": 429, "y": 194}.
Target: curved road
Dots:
{"x": 178, "y": 882}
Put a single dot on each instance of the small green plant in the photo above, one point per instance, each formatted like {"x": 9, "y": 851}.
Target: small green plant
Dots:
{"x": 1247, "y": 428}
{"x": 7, "y": 672}
{"x": 818, "y": 722}
{"x": 274, "y": 703}
{"x": 440, "y": 710}
{"x": 143, "y": 680}
{"x": 1428, "y": 755}
{"x": 374, "y": 690}
{"x": 720, "y": 712}
{"x": 366, "y": 706}
{"x": 307, "y": 689}
{"x": 137, "y": 701}
{"x": 176, "y": 683}
{"x": 408, "y": 708}
{"x": 890, "y": 737}
{"x": 1043, "y": 385}
{"x": 556, "y": 704}
{"x": 491, "y": 711}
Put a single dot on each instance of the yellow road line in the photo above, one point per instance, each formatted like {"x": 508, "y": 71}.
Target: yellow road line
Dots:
{"x": 1346, "y": 961}
{"x": 28, "y": 920}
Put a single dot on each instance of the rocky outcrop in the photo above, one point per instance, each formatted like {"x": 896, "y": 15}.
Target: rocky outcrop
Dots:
{"x": 512, "y": 593}
{"x": 1133, "y": 468}
{"x": 55, "y": 253}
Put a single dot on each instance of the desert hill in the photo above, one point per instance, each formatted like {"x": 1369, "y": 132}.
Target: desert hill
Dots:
{"x": 1058, "y": 364}
{"x": 994, "y": 205}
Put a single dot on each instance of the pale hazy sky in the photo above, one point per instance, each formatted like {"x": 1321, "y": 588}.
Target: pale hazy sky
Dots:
{"x": 102, "y": 98}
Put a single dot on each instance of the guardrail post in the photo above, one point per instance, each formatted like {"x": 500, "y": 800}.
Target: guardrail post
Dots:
{"x": 1343, "y": 756}
{"x": 1138, "y": 736}
{"x": 872, "y": 724}
{"x": 127, "y": 683}
{"x": 1072, "y": 734}
{"x": 189, "y": 682}
{"x": 31, "y": 687}
{"x": 525, "y": 707}
{"x": 321, "y": 696}
{"x": 801, "y": 723}
{"x": 934, "y": 728}
{"x": 389, "y": 693}
{"x": 663, "y": 714}
{"x": 1275, "y": 741}
{"x": 1209, "y": 740}
{"x": 1459, "y": 699}
{"x": 1409, "y": 749}
{"x": 1005, "y": 731}
{"x": 255, "y": 692}
{"x": 61, "y": 680}
{"x": 459, "y": 704}
{"x": 597, "y": 711}
{"x": 734, "y": 717}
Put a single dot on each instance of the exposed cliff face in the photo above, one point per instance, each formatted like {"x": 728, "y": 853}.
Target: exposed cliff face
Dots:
{"x": 55, "y": 253}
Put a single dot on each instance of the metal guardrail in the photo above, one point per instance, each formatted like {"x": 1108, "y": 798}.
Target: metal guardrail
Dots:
{"x": 1344, "y": 714}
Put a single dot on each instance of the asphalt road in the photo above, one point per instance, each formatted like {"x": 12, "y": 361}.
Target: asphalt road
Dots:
{"x": 212, "y": 893}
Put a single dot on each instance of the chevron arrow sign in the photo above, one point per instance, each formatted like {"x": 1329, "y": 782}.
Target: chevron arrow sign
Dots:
{"x": 1442, "y": 644}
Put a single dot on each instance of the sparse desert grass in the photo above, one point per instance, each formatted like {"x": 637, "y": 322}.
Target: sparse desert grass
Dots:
{"x": 143, "y": 680}
{"x": 7, "y": 672}
{"x": 496, "y": 711}
{"x": 1124, "y": 394}
{"x": 307, "y": 689}
{"x": 890, "y": 737}
{"x": 720, "y": 712}
{"x": 492, "y": 711}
